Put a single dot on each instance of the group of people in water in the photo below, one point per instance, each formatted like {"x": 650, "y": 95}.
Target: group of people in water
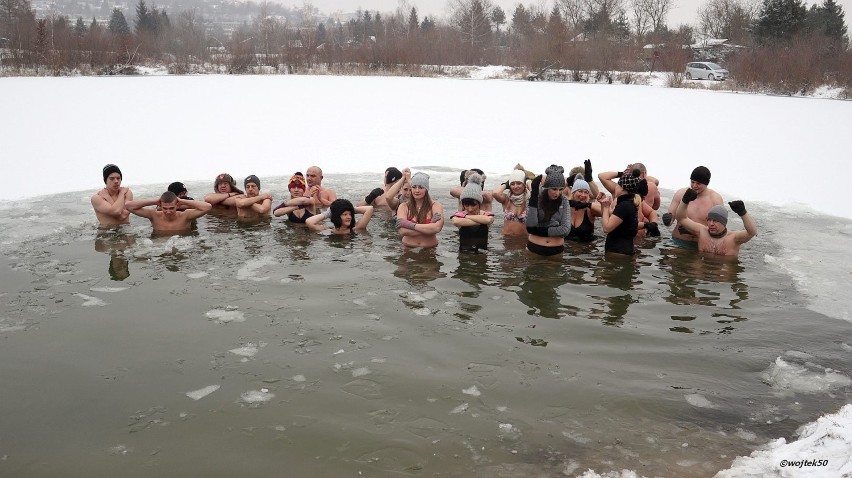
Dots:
{"x": 547, "y": 209}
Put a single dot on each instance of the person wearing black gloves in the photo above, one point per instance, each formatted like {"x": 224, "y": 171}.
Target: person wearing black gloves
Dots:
{"x": 715, "y": 238}
{"x": 622, "y": 223}
{"x": 585, "y": 173}
{"x": 697, "y": 209}
{"x": 547, "y": 213}
{"x": 376, "y": 197}
{"x": 584, "y": 210}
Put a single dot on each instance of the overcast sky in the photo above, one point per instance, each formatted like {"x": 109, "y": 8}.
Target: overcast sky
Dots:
{"x": 683, "y": 11}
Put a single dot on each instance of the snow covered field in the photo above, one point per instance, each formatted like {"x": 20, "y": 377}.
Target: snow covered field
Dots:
{"x": 57, "y": 133}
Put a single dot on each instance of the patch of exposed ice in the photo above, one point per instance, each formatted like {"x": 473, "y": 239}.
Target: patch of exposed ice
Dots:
{"x": 197, "y": 275}
{"x": 472, "y": 391}
{"x": 248, "y": 271}
{"x": 423, "y": 311}
{"x": 360, "y": 372}
{"x": 224, "y": 316}
{"x": 202, "y": 392}
{"x": 257, "y": 396}
{"x": 89, "y": 301}
{"x": 248, "y": 350}
{"x": 108, "y": 289}
{"x": 460, "y": 409}
{"x": 299, "y": 378}
{"x": 700, "y": 401}
{"x": 786, "y": 378}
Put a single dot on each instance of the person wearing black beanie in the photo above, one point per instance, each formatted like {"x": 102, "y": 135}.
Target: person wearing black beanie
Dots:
{"x": 109, "y": 202}
{"x": 699, "y": 202}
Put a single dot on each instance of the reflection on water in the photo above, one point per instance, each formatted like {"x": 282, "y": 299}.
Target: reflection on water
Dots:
{"x": 114, "y": 241}
{"x": 696, "y": 279}
{"x": 418, "y": 266}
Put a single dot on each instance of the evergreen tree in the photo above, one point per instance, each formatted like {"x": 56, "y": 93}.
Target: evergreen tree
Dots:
{"x": 779, "y": 20}
{"x": 498, "y": 16}
{"x": 828, "y": 19}
{"x": 427, "y": 25}
{"x": 117, "y": 23}
{"x": 521, "y": 21}
{"x": 144, "y": 18}
{"x": 321, "y": 34}
{"x": 80, "y": 27}
{"x": 413, "y": 22}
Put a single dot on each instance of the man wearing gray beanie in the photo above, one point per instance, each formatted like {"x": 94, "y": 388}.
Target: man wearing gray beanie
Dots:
{"x": 715, "y": 238}
{"x": 109, "y": 202}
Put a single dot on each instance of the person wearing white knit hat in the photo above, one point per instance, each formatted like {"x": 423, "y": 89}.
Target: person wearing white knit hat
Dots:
{"x": 514, "y": 202}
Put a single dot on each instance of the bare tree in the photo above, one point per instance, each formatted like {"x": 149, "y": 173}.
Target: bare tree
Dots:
{"x": 573, "y": 13}
{"x": 727, "y": 19}
{"x": 657, "y": 11}
{"x": 641, "y": 21}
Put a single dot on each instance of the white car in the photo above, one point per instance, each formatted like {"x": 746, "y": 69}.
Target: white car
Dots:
{"x": 705, "y": 70}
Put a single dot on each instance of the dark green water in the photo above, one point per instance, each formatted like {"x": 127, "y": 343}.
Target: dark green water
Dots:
{"x": 378, "y": 361}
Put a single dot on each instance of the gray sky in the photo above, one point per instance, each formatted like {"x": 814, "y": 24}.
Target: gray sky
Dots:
{"x": 683, "y": 11}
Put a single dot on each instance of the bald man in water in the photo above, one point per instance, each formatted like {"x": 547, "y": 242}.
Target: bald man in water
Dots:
{"x": 323, "y": 197}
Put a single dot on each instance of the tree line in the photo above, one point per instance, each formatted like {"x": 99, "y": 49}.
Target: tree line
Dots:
{"x": 778, "y": 42}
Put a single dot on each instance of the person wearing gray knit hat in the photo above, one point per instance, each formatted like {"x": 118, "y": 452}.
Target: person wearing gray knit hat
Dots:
{"x": 555, "y": 177}
{"x": 420, "y": 219}
{"x": 420, "y": 180}
{"x": 715, "y": 238}
{"x": 109, "y": 202}
{"x": 472, "y": 221}
{"x": 473, "y": 189}
{"x": 705, "y": 199}
{"x": 464, "y": 179}
{"x": 547, "y": 219}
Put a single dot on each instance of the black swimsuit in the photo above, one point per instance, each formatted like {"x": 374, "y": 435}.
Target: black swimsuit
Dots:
{"x": 298, "y": 220}
{"x": 585, "y": 232}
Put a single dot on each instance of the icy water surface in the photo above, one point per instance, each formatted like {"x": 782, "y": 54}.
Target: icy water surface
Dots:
{"x": 269, "y": 350}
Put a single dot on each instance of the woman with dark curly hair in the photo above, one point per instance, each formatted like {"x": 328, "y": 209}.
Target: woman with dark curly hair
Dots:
{"x": 342, "y": 215}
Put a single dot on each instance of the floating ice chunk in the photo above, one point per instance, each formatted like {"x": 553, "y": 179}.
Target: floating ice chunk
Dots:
{"x": 202, "y": 392}
{"x": 256, "y": 396}
{"x": 11, "y": 328}
{"x": 197, "y": 275}
{"x": 422, "y": 311}
{"x": 247, "y": 272}
{"x": 249, "y": 350}
{"x": 460, "y": 409}
{"x": 746, "y": 435}
{"x": 502, "y": 408}
{"x": 90, "y": 301}
{"x": 360, "y": 372}
{"x": 698, "y": 400}
{"x": 506, "y": 428}
{"x": 788, "y": 377}
{"x": 472, "y": 391}
{"x": 108, "y": 289}
{"x": 576, "y": 436}
{"x": 360, "y": 302}
{"x": 118, "y": 450}
{"x": 299, "y": 378}
{"x": 224, "y": 316}
{"x": 338, "y": 352}
{"x": 378, "y": 360}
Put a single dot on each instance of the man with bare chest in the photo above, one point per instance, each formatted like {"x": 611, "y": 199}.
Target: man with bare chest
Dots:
{"x": 715, "y": 238}
{"x": 696, "y": 210}
{"x": 109, "y": 202}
